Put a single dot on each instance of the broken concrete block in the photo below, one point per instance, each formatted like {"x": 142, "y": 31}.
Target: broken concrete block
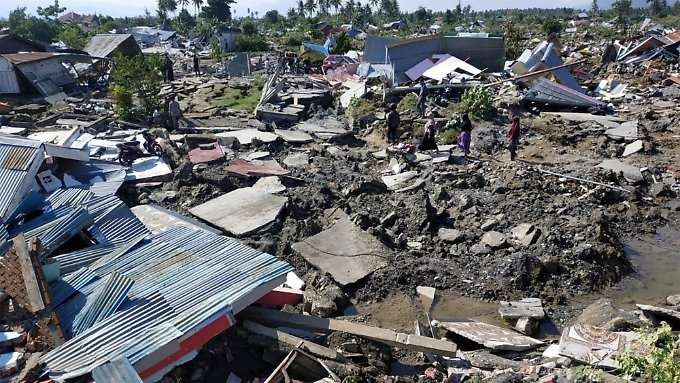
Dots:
{"x": 297, "y": 160}
{"x": 427, "y": 295}
{"x": 294, "y": 136}
{"x": 396, "y": 181}
{"x": 633, "y": 148}
{"x": 343, "y": 250}
{"x": 451, "y": 235}
{"x": 594, "y": 345}
{"x": 241, "y": 211}
{"x": 525, "y": 308}
{"x": 494, "y": 239}
{"x": 657, "y": 189}
{"x": 525, "y": 233}
{"x": 493, "y": 337}
{"x": 527, "y": 326}
{"x": 630, "y": 172}
{"x": 660, "y": 312}
{"x": 673, "y": 300}
{"x": 270, "y": 185}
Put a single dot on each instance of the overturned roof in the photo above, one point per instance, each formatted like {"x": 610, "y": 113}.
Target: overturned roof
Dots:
{"x": 10, "y": 43}
{"x": 19, "y": 163}
{"x": 107, "y": 45}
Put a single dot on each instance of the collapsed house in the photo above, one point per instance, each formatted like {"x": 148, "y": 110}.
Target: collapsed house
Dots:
{"x": 110, "y": 45}
{"x": 10, "y": 43}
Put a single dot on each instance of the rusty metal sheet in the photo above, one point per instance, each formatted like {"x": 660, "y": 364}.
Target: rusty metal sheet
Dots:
{"x": 206, "y": 153}
{"x": 255, "y": 168}
{"x": 18, "y": 158}
{"x": 493, "y": 337}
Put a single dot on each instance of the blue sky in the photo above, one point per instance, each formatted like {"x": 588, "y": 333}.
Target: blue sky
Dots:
{"x": 136, "y": 7}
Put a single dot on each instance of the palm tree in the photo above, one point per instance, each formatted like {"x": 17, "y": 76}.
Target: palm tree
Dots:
{"x": 183, "y": 3}
{"x": 197, "y": 4}
{"x": 310, "y": 7}
{"x": 374, "y": 3}
{"x": 336, "y": 4}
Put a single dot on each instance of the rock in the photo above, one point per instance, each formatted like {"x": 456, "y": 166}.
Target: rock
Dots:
{"x": 602, "y": 313}
{"x": 184, "y": 172}
{"x": 527, "y": 326}
{"x": 363, "y": 187}
{"x": 658, "y": 189}
{"x": 451, "y": 235}
{"x": 673, "y": 300}
{"x": 494, "y": 239}
{"x": 296, "y": 160}
{"x": 525, "y": 233}
{"x": 464, "y": 202}
{"x": 480, "y": 249}
{"x": 323, "y": 297}
{"x": 389, "y": 219}
{"x": 489, "y": 224}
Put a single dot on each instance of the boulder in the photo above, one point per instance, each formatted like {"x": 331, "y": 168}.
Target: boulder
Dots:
{"x": 494, "y": 239}
{"x": 451, "y": 235}
{"x": 525, "y": 233}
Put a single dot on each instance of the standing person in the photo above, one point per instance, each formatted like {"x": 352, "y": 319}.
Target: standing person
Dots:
{"x": 392, "y": 124}
{"x": 422, "y": 97}
{"x": 197, "y": 64}
{"x": 175, "y": 112}
{"x": 429, "y": 142}
{"x": 266, "y": 65}
{"x": 465, "y": 135}
{"x": 169, "y": 71}
{"x": 513, "y": 137}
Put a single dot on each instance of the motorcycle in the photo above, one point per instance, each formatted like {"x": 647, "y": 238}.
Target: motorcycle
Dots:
{"x": 128, "y": 152}
{"x": 150, "y": 144}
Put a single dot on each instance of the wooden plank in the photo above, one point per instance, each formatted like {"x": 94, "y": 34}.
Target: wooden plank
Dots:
{"x": 405, "y": 341}
{"x": 294, "y": 341}
{"x": 28, "y": 271}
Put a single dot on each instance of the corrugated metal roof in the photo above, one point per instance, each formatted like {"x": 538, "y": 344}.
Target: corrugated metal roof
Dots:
{"x": 116, "y": 371}
{"x": 69, "y": 197}
{"x": 105, "y": 44}
{"x": 70, "y": 262}
{"x": 22, "y": 58}
{"x": 113, "y": 222}
{"x": 19, "y": 162}
{"x": 103, "y": 302}
{"x": 182, "y": 279}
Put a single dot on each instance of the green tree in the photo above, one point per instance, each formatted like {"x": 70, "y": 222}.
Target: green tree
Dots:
{"x": 251, "y": 43}
{"x": 197, "y": 4}
{"x": 51, "y": 11}
{"x": 310, "y": 7}
{"x": 676, "y": 7}
{"x": 248, "y": 27}
{"x": 141, "y": 76}
{"x": 184, "y": 22}
{"x": 272, "y": 17}
{"x": 657, "y": 7}
{"x": 595, "y": 8}
{"x": 513, "y": 40}
{"x": 71, "y": 35}
{"x": 343, "y": 44}
{"x": 31, "y": 27}
{"x": 183, "y": 3}
{"x": 552, "y": 25}
{"x": 622, "y": 9}
{"x": 219, "y": 10}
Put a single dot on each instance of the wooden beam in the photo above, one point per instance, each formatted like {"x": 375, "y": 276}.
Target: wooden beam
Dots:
{"x": 392, "y": 338}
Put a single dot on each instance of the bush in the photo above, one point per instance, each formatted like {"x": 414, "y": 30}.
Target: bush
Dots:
{"x": 122, "y": 102}
{"x": 408, "y": 103}
{"x": 252, "y": 43}
{"x": 360, "y": 109}
{"x": 477, "y": 102}
{"x": 656, "y": 359}
{"x": 215, "y": 50}
{"x": 293, "y": 40}
{"x": 141, "y": 76}
{"x": 449, "y": 133}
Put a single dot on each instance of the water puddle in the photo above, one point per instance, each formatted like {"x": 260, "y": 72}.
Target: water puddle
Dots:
{"x": 656, "y": 262}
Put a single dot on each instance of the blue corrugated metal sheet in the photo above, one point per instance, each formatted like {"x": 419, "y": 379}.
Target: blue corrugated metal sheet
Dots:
{"x": 69, "y": 197}
{"x": 70, "y": 262}
{"x": 55, "y": 227}
{"x": 103, "y": 302}
{"x": 118, "y": 370}
{"x": 191, "y": 275}
{"x": 19, "y": 163}
{"x": 113, "y": 221}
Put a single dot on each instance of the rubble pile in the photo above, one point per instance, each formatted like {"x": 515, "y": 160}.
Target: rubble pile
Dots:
{"x": 238, "y": 232}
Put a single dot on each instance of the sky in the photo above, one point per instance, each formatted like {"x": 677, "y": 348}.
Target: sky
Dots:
{"x": 136, "y": 7}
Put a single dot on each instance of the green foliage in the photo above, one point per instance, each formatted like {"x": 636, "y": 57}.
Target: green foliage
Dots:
{"x": 552, "y": 25}
{"x": 477, "y": 101}
{"x": 184, "y": 22}
{"x": 30, "y": 27}
{"x": 294, "y": 39}
{"x": 241, "y": 99}
{"x": 659, "y": 363}
{"x": 343, "y": 44}
{"x": 360, "y": 108}
{"x": 513, "y": 40}
{"x": 142, "y": 77}
{"x": 595, "y": 7}
{"x": 51, "y": 11}
{"x": 408, "y": 103}
{"x": 622, "y": 9}
{"x": 73, "y": 36}
{"x": 352, "y": 379}
{"x": 272, "y": 17}
{"x": 251, "y": 43}
{"x": 449, "y": 133}
{"x": 122, "y": 102}
{"x": 215, "y": 50}
{"x": 219, "y": 10}
{"x": 316, "y": 34}
{"x": 248, "y": 27}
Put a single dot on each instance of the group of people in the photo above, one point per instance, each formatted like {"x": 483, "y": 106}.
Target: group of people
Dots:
{"x": 428, "y": 140}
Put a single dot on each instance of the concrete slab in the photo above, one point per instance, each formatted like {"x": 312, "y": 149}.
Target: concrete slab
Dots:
{"x": 660, "y": 312}
{"x": 493, "y": 337}
{"x": 12, "y": 130}
{"x": 241, "y": 211}
{"x": 526, "y": 308}
{"x": 148, "y": 169}
{"x": 630, "y": 172}
{"x": 206, "y": 153}
{"x": 270, "y": 185}
{"x": 294, "y": 136}
{"x": 246, "y": 136}
{"x": 399, "y": 180}
{"x": 346, "y": 252}
{"x": 633, "y": 148}
{"x": 628, "y": 131}
{"x": 296, "y": 160}
{"x": 606, "y": 121}
{"x": 325, "y": 129}
{"x": 255, "y": 168}
{"x": 158, "y": 219}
